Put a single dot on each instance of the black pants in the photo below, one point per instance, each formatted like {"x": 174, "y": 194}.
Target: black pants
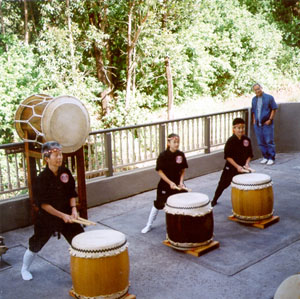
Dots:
{"x": 162, "y": 196}
{"x": 42, "y": 234}
{"x": 225, "y": 181}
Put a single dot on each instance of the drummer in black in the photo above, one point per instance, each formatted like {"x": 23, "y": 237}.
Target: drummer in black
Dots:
{"x": 170, "y": 165}
{"x": 55, "y": 195}
{"x": 237, "y": 153}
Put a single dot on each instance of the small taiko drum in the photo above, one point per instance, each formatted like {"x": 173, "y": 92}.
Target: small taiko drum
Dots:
{"x": 252, "y": 197}
{"x": 64, "y": 119}
{"x": 100, "y": 264}
{"x": 289, "y": 288}
{"x": 189, "y": 220}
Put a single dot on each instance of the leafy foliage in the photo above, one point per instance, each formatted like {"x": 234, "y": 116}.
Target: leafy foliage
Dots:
{"x": 216, "y": 48}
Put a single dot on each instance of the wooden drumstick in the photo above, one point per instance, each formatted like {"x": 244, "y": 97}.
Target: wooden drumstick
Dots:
{"x": 183, "y": 188}
{"x": 83, "y": 222}
{"x": 87, "y": 221}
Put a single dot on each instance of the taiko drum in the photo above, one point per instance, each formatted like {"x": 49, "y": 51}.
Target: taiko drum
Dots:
{"x": 100, "y": 264}
{"x": 189, "y": 220}
{"x": 252, "y": 197}
{"x": 41, "y": 118}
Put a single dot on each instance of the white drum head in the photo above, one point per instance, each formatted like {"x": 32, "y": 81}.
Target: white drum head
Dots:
{"x": 98, "y": 244}
{"x": 289, "y": 288}
{"x": 251, "y": 179}
{"x": 66, "y": 121}
{"x": 188, "y": 203}
{"x": 98, "y": 240}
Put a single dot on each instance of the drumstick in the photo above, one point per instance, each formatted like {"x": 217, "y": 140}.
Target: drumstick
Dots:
{"x": 87, "y": 221}
{"x": 183, "y": 188}
{"x": 249, "y": 169}
{"x": 83, "y": 222}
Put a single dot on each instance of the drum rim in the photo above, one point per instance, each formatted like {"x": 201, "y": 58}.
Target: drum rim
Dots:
{"x": 183, "y": 205}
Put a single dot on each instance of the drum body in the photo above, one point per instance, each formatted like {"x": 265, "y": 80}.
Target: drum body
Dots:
{"x": 63, "y": 119}
{"x": 100, "y": 264}
{"x": 189, "y": 220}
{"x": 252, "y": 197}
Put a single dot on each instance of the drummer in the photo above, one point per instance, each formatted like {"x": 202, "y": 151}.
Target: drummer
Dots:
{"x": 55, "y": 195}
{"x": 237, "y": 153}
{"x": 171, "y": 165}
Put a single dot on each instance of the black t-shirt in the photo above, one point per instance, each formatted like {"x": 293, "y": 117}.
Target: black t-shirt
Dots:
{"x": 171, "y": 164}
{"x": 238, "y": 149}
{"x": 55, "y": 191}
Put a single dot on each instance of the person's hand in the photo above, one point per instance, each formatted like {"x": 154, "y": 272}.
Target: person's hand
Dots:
{"x": 268, "y": 122}
{"x": 240, "y": 169}
{"x": 173, "y": 185}
{"x": 74, "y": 214}
{"x": 181, "y": 186}
{"x": 67, "y": 218}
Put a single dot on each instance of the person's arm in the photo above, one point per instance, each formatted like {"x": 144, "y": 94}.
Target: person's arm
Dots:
{"x": 181, "y": 184}
{"x": 253, "y": 118}
{"x": 271, "y": 118}
{"x": 247, "y": 164}
{"x": 74, "y": 214}
{"x": 165, "y": 178}
{"x": 51, "y": 210}
{"x": 238, "y": 167}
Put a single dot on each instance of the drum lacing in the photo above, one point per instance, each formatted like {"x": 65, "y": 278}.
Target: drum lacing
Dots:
{"x": 99, "y": 250}
{"x": 188, "y": 208}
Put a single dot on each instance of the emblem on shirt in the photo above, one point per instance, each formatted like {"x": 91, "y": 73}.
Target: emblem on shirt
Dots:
{"x": 178, "y": 159}
{"x": 64, "y": 177}
{"x": 246, "y": 142}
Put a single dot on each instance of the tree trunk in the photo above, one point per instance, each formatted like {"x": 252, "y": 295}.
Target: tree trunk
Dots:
{"x": 68, "y": 12}
{"x": 26, "y": 32}
{"x": 103, "y": 74}
{"x": 170, "y": 88}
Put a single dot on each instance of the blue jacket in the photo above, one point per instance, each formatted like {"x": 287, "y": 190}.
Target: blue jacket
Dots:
{"x": 268, "y": 104}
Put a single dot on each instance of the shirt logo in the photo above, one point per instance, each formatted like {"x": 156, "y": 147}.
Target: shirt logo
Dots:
{"x": 178, "y": 159}
{"x": 245, "y": 142}
{"x": 64, "y": 177}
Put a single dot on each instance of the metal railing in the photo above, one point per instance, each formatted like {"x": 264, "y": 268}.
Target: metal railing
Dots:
{"x": 125, "y": 148}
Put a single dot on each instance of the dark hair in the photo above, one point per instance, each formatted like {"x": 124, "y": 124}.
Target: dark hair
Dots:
{"x": 170, "y": 136}
{"x": 49, "y": 146}
{"x": 238, "y": 121}
{"x": 256, "y": 84}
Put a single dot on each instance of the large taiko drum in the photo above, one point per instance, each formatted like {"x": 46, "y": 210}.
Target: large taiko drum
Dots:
{"x": 189, "y": 220}
{"x": 64, "y": 119}
{"x": 100, "y": 264}
{"x": 252, "y": 197}
{"x": 289, "y": 288}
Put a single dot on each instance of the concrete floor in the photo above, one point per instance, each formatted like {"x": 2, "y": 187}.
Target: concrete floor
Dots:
{"x": 250, "y": 262}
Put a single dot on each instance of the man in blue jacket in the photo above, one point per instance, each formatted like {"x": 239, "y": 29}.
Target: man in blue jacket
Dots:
{"x": 263, "y": 113}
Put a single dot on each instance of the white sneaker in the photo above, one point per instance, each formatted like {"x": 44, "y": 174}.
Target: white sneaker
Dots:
{"x": 270, "y": 162}
{"x": 264, "y": 161}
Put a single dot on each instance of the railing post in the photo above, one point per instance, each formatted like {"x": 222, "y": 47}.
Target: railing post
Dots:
{"x": 207, "y": 135}
{"x": 162, "y": 137}
{"x": 108, "y": 154}
{"x": 248, "y": 122}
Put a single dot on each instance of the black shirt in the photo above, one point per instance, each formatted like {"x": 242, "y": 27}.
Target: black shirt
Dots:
{"x": 238, "y": 149}
{"x": 171, "y": 164}
{"x": 55, "y": 191}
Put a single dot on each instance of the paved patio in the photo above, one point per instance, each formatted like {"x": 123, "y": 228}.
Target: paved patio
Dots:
{"x": 250, "y": 262}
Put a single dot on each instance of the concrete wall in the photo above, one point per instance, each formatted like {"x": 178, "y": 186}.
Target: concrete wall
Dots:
{"x": 15, "y": 213}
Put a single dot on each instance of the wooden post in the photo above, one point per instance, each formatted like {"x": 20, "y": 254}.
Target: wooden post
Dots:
{"x": 31, "y": 175}
{"x": 81, "y": 183}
